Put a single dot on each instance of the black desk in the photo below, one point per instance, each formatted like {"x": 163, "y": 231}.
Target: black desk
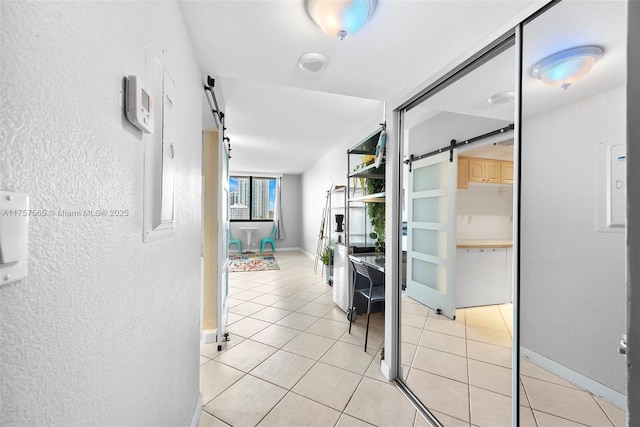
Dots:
{"x": 373, "y": 260}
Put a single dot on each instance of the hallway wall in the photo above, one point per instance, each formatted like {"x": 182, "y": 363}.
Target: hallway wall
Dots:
{"x": 105, "y": 328}
{"x": 328, "y": 171}
{"x": 572, "y": 289}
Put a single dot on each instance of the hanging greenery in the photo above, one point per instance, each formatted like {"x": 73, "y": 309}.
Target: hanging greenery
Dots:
{"x": 375, "y": 211}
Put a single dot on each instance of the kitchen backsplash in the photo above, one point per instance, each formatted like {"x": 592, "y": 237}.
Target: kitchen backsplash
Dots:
{"x": 485, "y": 212}
{"x": 485, "y": 227}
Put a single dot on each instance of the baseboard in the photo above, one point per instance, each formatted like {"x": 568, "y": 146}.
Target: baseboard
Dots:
{"x": 208, "y": 336}
{"x": 385, "y": 368}
{"x": 197, "y": 412}
{"x": 615, "y": 398}
{"x": 287, "y": 249}
{"x": 236, "y": 252}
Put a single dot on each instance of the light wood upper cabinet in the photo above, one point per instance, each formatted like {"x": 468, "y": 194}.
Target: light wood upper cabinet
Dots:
{"x": 463, "y": 173}
{"x": 484, "y": 170}
{"x": 492, "y": 171}
{"x": 506, "y": 172}
{"x": 472, "y": 169}
{"x": 476, "y": 170}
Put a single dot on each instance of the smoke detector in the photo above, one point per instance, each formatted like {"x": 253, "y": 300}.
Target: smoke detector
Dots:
{"x": 312, "y": 62}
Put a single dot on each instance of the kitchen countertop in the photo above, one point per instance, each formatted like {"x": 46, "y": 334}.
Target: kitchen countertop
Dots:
{"x": 484, "y": 243}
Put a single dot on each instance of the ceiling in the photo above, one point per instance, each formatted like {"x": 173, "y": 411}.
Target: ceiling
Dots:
{"x": 461, "y": 111}
{"x": 281, "y": 119}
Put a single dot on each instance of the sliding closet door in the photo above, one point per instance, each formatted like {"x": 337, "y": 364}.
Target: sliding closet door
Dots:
{"x": 572, "y": 216}
{"x": 456, "y": 359}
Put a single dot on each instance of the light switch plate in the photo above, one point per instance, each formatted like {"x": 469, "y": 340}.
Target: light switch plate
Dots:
{"x": 14, "y": 231}
{"x": 611, "y": 187}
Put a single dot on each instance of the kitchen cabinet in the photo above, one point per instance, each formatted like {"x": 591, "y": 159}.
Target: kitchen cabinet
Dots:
{"x": 506, "y": 172}
{"x": 472, "y": 169}
{"x": 463, "y": 173}
{"x": 484, "y": 170}
{"x": 483, "y": 276}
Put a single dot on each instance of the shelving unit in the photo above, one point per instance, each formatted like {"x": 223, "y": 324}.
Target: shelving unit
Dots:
{"x": 332, "y": 237}
{"x": 358, "y": 222}
{"x": 337, "y": 205}
{"x": 361, "y": 174}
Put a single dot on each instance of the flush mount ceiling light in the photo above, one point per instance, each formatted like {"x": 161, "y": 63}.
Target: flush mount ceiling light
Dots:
{"x": 501, "y": 98}
{"x": 312, "y": 62}
{"x": 567, "y": 67}
{"x": 340, "y": 18}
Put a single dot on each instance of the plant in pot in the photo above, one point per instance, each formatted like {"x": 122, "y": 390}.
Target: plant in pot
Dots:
{"x": 327, "y": 261}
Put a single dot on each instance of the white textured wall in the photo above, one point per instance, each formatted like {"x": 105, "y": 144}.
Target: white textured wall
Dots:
{"x": 572, "y": 288}
{"x": 105, "y": 329}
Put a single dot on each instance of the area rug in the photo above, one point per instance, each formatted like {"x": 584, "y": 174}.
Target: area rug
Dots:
{"x": 252, "y": 262}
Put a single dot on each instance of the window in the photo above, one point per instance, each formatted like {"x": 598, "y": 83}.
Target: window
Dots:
{"x": 251, "y": 198}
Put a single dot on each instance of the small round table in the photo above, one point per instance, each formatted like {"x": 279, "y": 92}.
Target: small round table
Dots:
{"x": 249, "y": 231}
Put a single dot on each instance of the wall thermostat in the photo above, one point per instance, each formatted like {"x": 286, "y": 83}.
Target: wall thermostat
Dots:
{"x": 138, "y": 104}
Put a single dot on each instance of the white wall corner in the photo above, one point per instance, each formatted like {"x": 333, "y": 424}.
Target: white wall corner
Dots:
{"x": 197, "y": 411}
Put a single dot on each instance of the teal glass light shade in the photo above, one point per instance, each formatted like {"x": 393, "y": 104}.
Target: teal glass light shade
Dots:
{"x": 340, "y": 18}
{"x": 564, "y": 68}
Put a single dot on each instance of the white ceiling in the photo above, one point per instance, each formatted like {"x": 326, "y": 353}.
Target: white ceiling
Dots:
{"x": 460, "y": 110}
{"x": 571, "y": 24}
{"x": 281, "y": 119}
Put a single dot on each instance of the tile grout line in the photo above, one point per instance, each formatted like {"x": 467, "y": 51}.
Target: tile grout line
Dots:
{"x": 278, "y": 349}
{"x": 603, "y": 411}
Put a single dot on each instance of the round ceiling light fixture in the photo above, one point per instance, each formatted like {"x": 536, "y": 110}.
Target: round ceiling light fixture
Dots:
{"x": 501, "y": 98}
{"x": 312, "y": 62}
{"x": 340, "y": 18}
{"x": 567, "y": 67}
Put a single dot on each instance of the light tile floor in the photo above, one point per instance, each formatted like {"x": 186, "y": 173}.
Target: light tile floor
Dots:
{"x": 291, "y": 362}
{"x": 461, "y": 370}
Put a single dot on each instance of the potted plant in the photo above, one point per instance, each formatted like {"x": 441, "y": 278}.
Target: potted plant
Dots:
{"x": 327, "y": 262}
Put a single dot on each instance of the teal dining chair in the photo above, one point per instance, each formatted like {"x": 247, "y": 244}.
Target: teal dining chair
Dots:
{"x": 233, "y": 241}
{"x": 270, "y": 239}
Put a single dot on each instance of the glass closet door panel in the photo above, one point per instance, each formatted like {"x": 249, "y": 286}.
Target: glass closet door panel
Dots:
{"x": 573, "y": 190}
{"x": 456, "y": 359}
